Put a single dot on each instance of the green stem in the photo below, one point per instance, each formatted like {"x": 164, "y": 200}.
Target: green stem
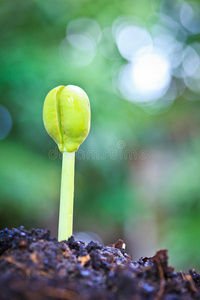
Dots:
{"x": 66, "y": 197}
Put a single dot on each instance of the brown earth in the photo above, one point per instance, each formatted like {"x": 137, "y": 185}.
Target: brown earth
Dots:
{"x": 35, "y": 266}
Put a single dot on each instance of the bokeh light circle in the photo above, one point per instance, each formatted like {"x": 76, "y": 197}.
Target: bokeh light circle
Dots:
{"x": 5, "y": 122}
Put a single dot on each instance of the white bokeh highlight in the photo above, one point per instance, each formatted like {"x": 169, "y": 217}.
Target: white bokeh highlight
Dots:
{"x": 151, "y": 72}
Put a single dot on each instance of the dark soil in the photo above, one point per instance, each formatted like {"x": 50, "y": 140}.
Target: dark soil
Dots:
{"x": 35, "y": 266}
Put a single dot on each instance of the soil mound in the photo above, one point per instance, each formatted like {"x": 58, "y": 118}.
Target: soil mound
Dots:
{"x": 35, "y": 266}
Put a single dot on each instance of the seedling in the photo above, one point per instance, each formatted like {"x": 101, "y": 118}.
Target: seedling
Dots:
{"x": 66, "y": 116}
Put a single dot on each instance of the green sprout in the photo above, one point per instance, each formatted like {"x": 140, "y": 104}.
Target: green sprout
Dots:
{"x": 66, "y": 116}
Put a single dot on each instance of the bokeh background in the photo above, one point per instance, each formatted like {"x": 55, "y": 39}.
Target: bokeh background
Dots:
{"x": 138, "y": 172}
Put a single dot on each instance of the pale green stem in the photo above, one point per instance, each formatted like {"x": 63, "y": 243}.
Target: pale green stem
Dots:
{"x": 66, "y": 197}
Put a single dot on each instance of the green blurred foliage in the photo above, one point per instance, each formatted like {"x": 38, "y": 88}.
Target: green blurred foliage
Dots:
{"x": 106, "y": 193}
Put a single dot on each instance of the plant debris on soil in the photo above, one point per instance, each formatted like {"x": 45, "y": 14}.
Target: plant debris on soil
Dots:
{"x": 35, "y": 266}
